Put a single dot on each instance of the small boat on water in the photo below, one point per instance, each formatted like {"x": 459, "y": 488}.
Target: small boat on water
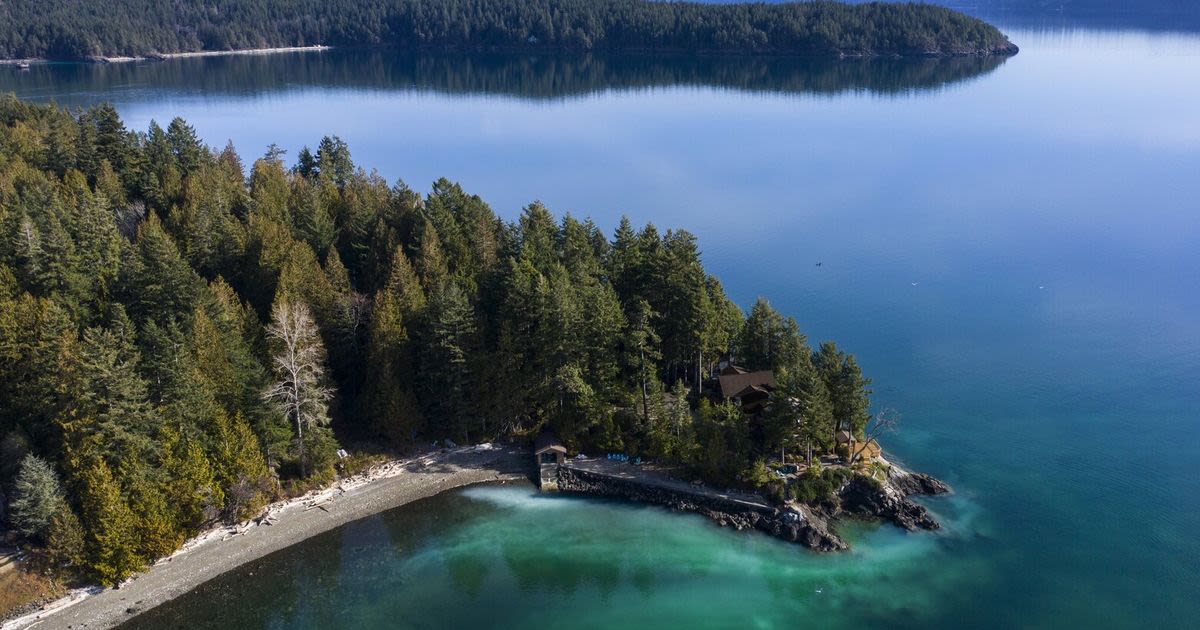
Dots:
{"x": 22, "y": 65}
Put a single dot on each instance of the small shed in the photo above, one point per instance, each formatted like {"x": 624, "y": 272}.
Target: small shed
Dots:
{"x": 860, "y": 449}
{"x": 548, "y": 450}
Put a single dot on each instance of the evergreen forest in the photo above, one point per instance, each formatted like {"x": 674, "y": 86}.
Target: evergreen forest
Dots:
{"x": 186, "y": 335}
{"x": 68, "y": 30}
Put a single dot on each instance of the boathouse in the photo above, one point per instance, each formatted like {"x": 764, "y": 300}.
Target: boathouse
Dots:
{"x": 548, "y": 450}
{"x": 548, "y": 454}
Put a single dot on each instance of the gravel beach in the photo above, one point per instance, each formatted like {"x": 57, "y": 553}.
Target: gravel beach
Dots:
{"x": 217, "y": 551}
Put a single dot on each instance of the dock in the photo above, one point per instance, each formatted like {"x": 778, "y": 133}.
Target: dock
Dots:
{"x": 651, "y": 476}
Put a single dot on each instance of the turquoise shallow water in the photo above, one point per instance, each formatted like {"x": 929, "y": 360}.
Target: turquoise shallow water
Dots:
{"x": 1011, "y": 251}
{"x": 508, "y": 557}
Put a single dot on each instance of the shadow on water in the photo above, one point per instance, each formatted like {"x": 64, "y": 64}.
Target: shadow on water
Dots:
{"x": 542, "y": 77}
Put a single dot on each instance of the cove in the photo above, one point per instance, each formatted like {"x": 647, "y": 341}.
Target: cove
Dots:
{"x": 507, "y": 557}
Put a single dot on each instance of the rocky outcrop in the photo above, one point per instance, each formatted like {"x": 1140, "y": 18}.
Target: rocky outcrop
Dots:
{"x": 888, "y": 499}
{"x": 915, "y": 483}
{"x": 802, "y": 526}
{"x": 860, "y": 497}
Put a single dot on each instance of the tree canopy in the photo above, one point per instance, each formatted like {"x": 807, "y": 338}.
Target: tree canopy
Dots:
{"x": 183, "y": 337}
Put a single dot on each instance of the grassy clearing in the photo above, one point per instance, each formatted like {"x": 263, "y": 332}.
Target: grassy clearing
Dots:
{"x": 20, "y": 589}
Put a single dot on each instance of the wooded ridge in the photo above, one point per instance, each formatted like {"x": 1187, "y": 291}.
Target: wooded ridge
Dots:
{"x": 67, "y": 30}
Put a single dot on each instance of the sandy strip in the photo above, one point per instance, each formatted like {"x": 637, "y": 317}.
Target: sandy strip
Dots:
{"x": 217, "y": 551}
{"x": 247, "y": 51}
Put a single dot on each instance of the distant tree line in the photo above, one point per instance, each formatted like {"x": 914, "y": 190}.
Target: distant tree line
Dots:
{"x": 181, "y": 342}
{"x": 64, "y": 29}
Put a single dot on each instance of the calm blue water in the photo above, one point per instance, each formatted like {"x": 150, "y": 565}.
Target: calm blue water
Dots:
{"x": 1013, "y": 252}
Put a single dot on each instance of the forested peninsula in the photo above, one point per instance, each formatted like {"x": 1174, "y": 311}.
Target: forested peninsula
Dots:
{"x": 185, "y": 336}
{"x": 67, "y": 30}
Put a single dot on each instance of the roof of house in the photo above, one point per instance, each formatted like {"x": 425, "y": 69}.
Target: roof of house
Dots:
{"x": 868, "y": 450}
{"x": 733, "y": 369}
{"x": 753, "y": 389}
{"x": 547, "y": 442}
{"x": 733, "y": 384}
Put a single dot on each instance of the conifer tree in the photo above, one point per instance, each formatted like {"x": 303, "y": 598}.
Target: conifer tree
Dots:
{"x": 389, "y": 398}
{"x": 446, "y": 370}
{"x": 770, "y": 341}
{"x": 36, "y": 337}
{"x": 624, "y": 261}
{"x": 576, "y": 404}
{"x": 430, "y": 262}
{"x": 333, "y": 160}
{"x": 210, "y": 235}
{"x": 600, "y": 335}
{"x": 224, "y": 344}
{"x": 269, "y": 190}
{"x": 641, "y": 350}
{"x": 158, "y": 527}
{"x": 722, "y": 323}
{"x": 538, "y": 237}
{"x": 36, "y": 498}
{"x": 156, "y": 283}
{"x": 108, "y": 185}
{"x": 312, "y": 216}
{"x": 683, "y": 303}
{"x": 108, "y": 137}
{"x": 111, "y": 540}
{"x": 192, "y": 489}
{"x": 404, "y": 287}
{"x": 185, "y": 147}
{"x": 576, "y": 250}
{"x": 106, "y": 397}
{"x": 240, "y": 468}
{"x": 849, "y": 392}
{"x": 65, "y": 538}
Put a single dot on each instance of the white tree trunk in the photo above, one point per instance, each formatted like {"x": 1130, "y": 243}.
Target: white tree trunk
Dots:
{"x": 298, "y": 393}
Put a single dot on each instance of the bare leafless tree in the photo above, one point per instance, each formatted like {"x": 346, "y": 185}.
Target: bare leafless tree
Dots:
{"x": 886, "y": 421}
{"x": 298, "y": 392}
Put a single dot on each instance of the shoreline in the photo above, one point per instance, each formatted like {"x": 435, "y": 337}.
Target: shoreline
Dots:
{"x": 839, "y": 55}
{"x": 282, "y": 525}
{"x": 811, "y": 525}
{"x": 178, "y": 55}
{"x": 398, "y": 482}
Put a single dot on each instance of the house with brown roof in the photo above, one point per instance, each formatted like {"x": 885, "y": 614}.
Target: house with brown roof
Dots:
{"x": 749, "y": 390}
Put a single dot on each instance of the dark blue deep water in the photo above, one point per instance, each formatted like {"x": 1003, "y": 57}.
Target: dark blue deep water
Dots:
{"x": 1011, "y": 249}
